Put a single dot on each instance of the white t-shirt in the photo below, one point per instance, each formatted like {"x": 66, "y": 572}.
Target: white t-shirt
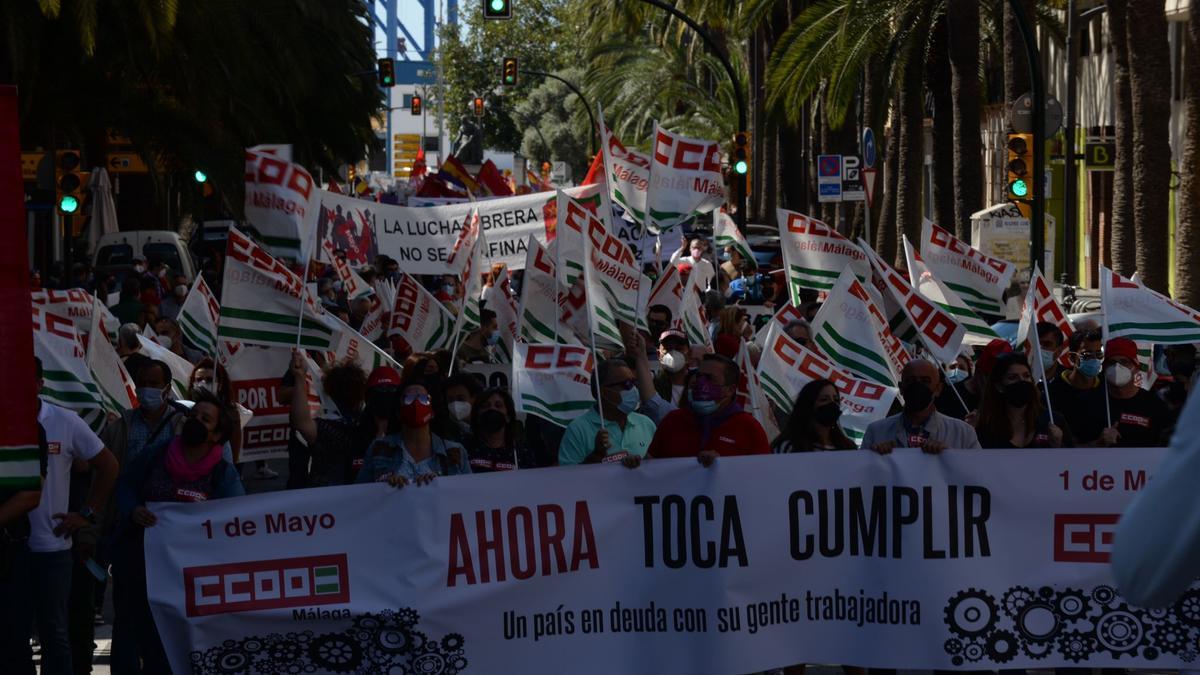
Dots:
{"x": 702, "y": 269}
{"x": 68, "y": 438}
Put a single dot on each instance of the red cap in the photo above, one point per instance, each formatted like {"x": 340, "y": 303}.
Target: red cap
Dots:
{"x": 987, "y": 358}
{"x": 383, "y": 376}
{"x": 1121, "y": 347}
{"x": 684, "y": 268}
{"x": 727, "y": 345}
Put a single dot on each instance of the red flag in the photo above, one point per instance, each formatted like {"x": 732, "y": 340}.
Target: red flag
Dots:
{"x": 455, "y": 173}
{"x": 595, "y": 172}
{"x": 418, "y": 167}
{"x": 492, "y": 180}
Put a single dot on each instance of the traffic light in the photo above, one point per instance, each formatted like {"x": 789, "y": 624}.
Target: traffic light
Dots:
{"x": 387, "y": 72}
{"x": 740, "y": 158}
{"x": 416, "y": 105}
{"x": 68, "y": 181}
{"x": 1019, "y": 168}
{"x": 478, "y": 106}
{"x": 497, "y": 9}
{"x": 509, "y": 79}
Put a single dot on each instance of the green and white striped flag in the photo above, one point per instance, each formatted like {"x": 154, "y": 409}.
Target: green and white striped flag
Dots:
{"x": 419, "y": 318}
{"x": 552, "y": 381}
{"x": 726, "y": 234}
{"x": 66, "y": 379}
{"x": 540, "y": 294}
{"x": 627, "y": 173}
{"x": 497, "y": 299}
{"x": 117, "y": 392}
{"x": 600, "y": 272}
{"x": 852, "y": 332}
{"x": 928, "y": 286}
{"x": 815, "y": 254}
{"x": 692, "y": 320}
{"x": 282, "y": 203}
{"x": 351, "y": 345}
{"x": 685, "y": 180}
{"x": 261, "y": 301}
{"x": 199, "y": 316}
{"x": 979, "y": 279}
{"x": 1143, "y": 315}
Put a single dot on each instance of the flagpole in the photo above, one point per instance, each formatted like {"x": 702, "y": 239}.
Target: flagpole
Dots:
{"x": 587, "y": 263}
{"x": 1105, "y": 283}
{"x": 1045, "y": 380}
{"x": 303, "y": 292}
{"x": 558, "y": 268}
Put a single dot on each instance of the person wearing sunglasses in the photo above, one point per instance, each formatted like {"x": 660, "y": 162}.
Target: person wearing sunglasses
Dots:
{"x": 712, "y": 424}
{"x": 496, "y": 442}
{"x": 414, "y": 454}
{"x": 613, "y": 431}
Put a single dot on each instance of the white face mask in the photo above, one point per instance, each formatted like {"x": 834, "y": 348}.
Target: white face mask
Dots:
{"x": 1118, "y": 376}
{"x": 181, "y": 291}
{"x": 139, "y": 268}
{"x": 460, "y": 410}
{"x": 673, "y": 361}
{"x": 165, "y": 341}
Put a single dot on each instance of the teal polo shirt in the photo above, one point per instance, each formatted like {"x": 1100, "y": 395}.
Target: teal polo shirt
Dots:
{"x": 580, "y": 438}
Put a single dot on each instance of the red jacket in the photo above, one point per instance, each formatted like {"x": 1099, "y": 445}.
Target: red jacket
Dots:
{"x": 681, "y": 434}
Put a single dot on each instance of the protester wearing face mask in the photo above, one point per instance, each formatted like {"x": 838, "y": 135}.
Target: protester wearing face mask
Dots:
{"x": 169, "y": 328}
{"x": 1131, "y": 417}
{"x": 1181, "y": 363}
{"x": 413, "y": 454}
{"x": 173, "y": 302}
{"x": 188, "y": 469}
{"x": 712, "y": 424}
{"x": 919, "y": 424}
{"x": 969, "y": 390}
{"x": 960, "y": 371}
{"x": 613, "y": 431}
{"x": 672, "y": 365}
{"x": 1012, "y": 413}
{"x": 658, "y": 321}
{"x": 693, "y": 253}
{"x": 337, "y": 439}
{"x": 813, "y": 424}
{"x": 479, "y": 344}
{"x": 799, "y": 330}
{"x": 1069, "y": 391}
{"x": 151, "y": 425}
{"x": 460, "y": 392}
{"x": 496, "y": 444}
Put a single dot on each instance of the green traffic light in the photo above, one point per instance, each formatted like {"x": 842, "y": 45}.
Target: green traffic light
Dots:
{"x": 200, "y": 176}
{"x": 740, "y": 166}
{"x": 498, "y": 5}
{"x": 1019, "y": 188}
{"x": 68, "y": 204}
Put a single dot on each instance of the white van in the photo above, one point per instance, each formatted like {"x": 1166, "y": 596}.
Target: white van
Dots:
{"x": 115, "y": 252}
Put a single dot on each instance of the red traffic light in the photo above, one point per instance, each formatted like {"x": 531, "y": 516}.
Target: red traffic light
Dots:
{"x": 478, "y": 106}
{"x": 416, "y": 105}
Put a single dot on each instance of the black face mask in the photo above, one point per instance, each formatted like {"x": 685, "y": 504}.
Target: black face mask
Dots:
{"x": 917, "y": 397}
{"x": 827, "y": 415}
{"x": 1182, "y": 367}
{"x": 1019, "y": 394}
{"x": 194, "y": 432}
{"x": 491, "y": 421}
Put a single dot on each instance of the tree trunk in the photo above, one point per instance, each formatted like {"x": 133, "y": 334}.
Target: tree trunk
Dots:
{"x": 1150, "y": 89}
{"x": 1123, "y": 244}
{"x": 963, "y": 17}
{"x": 1016, "y": 66}
{"x": 1187, "y": 233}
{"x": 885, "y": 234}
{"x": 912, "y": 136}
{"x": 938, "y": 76}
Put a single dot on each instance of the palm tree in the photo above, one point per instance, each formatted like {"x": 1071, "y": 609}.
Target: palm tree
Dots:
{"x": 1150, "y": 91}
{"x": 1123, "y": 247}
{"x": 963, "y": 18}
{"x": 1187, "y": 232}
{"x": 939, "y": 79}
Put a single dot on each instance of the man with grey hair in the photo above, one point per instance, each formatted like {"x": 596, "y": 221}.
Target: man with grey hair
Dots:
{"x": 127, "y": 340}
{"x": 919, "y": 424}
{"x": 799, "y": 330}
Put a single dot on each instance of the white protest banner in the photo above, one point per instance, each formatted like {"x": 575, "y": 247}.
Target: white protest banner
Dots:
{"x": 685, "y": 179}
{"x": 941, "y": 334}
{"x": 726, "y": 234}
{"x": 352, "y": 285}
{"x": 181, "y": 368}
{"x": 552, "y": 381}
{"x": 199, "y": 316}
{"x": 66, "y": 379}
{"x": 979, "y": 279}
{"x": 260, "y": 301}
{"x": 814, "y": 254}
{"x": 975, "y": 560}
{"x": 786, "y": 366}
{"x": 256, "y": 376}
{"x": 281, "y": 204}
{"x": 419, "y": 319}
{"x": 851, "y": 331}
{"x": 923, "y": 280}
{"x": 115, "y": 386}
{"x": 420, "y": 238}
{"x": 1133, "y": 311}
{"x": 627, "y": 173}
{"x": 540, "y": 294}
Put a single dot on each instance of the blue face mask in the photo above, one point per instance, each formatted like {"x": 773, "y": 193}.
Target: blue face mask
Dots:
{"x": 150, "y": 398}
{"x": 956, "y": 375}
{"x": 1090, "y": 367}
{"x": 493, "y": 337}
{"x": 703, "y": 407}
{"x": 1049, "y": 358}
{"x": 630, "y": 400}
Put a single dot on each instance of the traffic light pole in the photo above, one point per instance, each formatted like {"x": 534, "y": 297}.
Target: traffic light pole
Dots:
{"x": 1037, "y": 223}
{"x": 587, "y": 106}
{"x": 739, "y": 98}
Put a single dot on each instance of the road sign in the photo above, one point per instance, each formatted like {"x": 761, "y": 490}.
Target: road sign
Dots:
{"x": 125, "y": 162}
{"x": 829, "y": 178}
{"x": 1099, "y": 156}
{"x": 1020, "y": 115}
{"x": 868, "y": 147}
{"x": 559, "y": 173}
{"x": 868, "y": 180}
{"x": 29, "y": 164}
{"x": 852, "y": 187}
